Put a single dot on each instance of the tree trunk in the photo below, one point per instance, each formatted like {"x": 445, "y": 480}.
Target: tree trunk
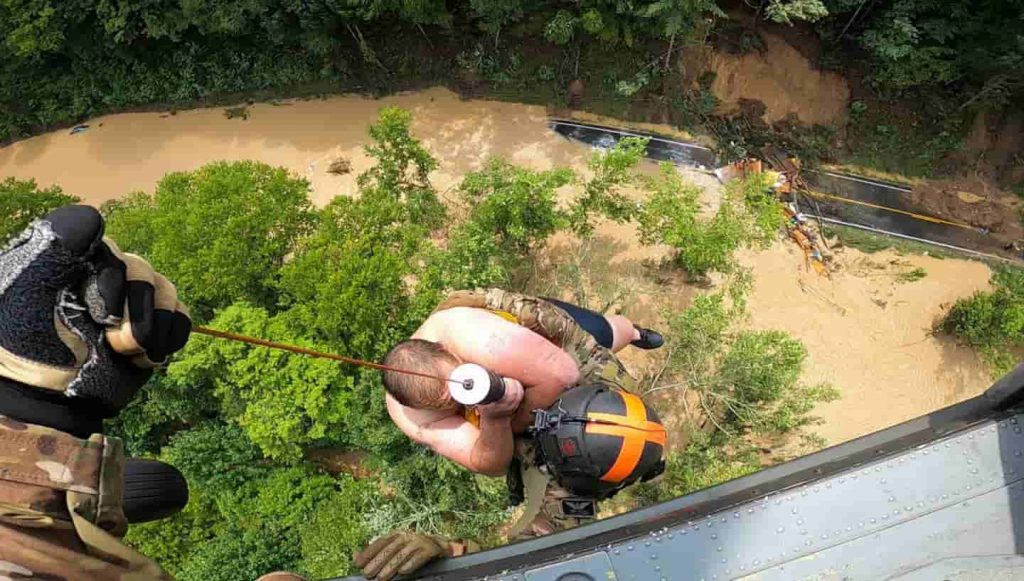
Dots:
{"x": 668, "y": 57}
{"x": 850, "y": 22}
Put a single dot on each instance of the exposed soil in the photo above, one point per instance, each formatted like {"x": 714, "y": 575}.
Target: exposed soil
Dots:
{"x": 975, "y": 201}
{"x": 993, "y": 149}
{"x": 340, "y": 461}
{"x": 784, "y": 80}
{"x": 869, "y": 334}
{"x": 865, "y": 334}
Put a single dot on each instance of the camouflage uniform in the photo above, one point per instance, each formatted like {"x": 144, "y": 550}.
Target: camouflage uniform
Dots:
{"x": 597, "y": 364}
{"x": 60, "y": 508}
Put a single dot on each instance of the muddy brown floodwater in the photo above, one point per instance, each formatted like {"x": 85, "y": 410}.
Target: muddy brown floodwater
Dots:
{"x": 865, "y": 332}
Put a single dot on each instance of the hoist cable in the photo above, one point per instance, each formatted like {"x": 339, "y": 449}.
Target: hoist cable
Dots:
{"x": 311, "y": 353}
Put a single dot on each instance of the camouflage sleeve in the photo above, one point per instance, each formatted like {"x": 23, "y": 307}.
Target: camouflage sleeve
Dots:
{"x": 60, "y": 507}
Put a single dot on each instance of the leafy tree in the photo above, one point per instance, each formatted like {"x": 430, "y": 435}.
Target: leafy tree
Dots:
{"x": 689, "y": 19}
{"x": 159, "y": 410}
{"x": 601, "y": 194}
{"x": 561, "y": 28}
{"x": 282, "y": 401}
{"x": 992, "y": 321}
{"x": 472, "y": 257}
{"x": 466, "y": 506}
{"x": 788, "y": 11}
{"x": 496, "y": 14}
{"x": 174, "y": 541}
{"x": 21, "y": 202}
{"x": 215, "y": 458}
{"x": 401, "y": 169}
{"x": 748, "y": 215}
{"x": 221, "y": 233}
{"x": 671, "y": 216}
{"x": 346, "y": 283}
{"x": 345, "y": 286}
{"x": 763, "y": 214}
{"x": 337, "y": 530}
{"x": 243, "y": 553}
{"x": 746, "y": 381}
{"x": 515, "y": 203}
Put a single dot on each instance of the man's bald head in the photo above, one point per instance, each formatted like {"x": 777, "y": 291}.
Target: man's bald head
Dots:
{"x": 423, "y": 357}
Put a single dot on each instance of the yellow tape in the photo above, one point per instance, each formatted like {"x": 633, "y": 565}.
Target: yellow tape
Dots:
{"x": 888, "y": 209}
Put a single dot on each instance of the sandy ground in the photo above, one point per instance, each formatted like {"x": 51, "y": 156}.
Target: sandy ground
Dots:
{"x": 865, "y": 333}
{"x": 784, "y": 80}
{"x": 869, "y": 334}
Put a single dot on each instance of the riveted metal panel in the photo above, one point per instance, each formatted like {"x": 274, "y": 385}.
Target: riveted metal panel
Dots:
{"x": 957, "y": 496}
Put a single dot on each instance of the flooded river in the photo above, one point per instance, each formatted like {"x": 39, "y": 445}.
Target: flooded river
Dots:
{"x": 130, "y": 152}
{"x": 865, "y": 333}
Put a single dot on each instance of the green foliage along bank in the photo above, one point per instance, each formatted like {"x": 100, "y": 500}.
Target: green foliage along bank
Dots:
{"x": 992, "y": 321}
{"x": 61, "y": 62}
{"x": 23, "y": 201}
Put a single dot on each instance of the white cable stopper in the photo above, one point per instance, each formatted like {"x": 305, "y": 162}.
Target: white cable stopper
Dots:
{"x": 471, "y": 384}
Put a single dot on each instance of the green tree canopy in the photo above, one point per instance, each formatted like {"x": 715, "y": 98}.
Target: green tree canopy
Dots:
{"x": 21, "y": 202}
{"x": 221, "y": 233}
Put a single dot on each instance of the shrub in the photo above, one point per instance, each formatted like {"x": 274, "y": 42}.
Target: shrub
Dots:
{"x": 671, "y": 216}
{"x": 748, "y": 215}
{"x": 220, "y": 233}
{"x": 601, "y": 193}
{"x": 748, "y": 382}
{"x": 993, "y": 321}
{"x": 21, "y": 202}
{"x": 515, "y": 203}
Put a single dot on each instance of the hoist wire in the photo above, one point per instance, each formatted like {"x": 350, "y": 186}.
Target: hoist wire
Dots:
{"x": 226, "y": 335}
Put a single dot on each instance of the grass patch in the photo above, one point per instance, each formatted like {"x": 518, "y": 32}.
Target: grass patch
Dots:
{"x": 872, "y": 242}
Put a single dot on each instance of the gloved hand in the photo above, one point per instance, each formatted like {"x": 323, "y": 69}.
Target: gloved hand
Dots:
{"x": 82, "y": 325}
{"x": 400, "y": 553}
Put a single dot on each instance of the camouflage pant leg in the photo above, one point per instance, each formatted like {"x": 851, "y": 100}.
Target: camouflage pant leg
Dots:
{"x": 551, "y": 517}
{"x": 597, "y": 364}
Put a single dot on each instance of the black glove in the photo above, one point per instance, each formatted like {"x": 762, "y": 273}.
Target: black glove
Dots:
{"x": 82, "y": 325}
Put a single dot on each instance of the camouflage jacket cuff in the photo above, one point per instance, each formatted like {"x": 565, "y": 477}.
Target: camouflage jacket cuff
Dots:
{"x": 45, "y": 474}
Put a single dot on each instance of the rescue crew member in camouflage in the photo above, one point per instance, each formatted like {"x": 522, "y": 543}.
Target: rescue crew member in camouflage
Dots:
{"x": 82, "y": 326}
{"x": 541, "y": 347}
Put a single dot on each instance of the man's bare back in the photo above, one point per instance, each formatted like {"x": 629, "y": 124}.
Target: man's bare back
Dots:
{"x": 536, "y": 373}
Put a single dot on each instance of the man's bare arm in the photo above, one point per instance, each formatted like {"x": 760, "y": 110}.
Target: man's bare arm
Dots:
{"x": 481, "y": 337}
{"x": 485, "y": 450}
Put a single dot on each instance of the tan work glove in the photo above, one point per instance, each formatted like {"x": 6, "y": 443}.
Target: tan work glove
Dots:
{"x": 400, "y": 553}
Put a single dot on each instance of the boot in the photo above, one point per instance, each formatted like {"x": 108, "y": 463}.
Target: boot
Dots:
{"x": 649, "y": 339}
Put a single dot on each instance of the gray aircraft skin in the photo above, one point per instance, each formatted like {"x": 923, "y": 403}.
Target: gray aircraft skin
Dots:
{"x": 938, "y": 498}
